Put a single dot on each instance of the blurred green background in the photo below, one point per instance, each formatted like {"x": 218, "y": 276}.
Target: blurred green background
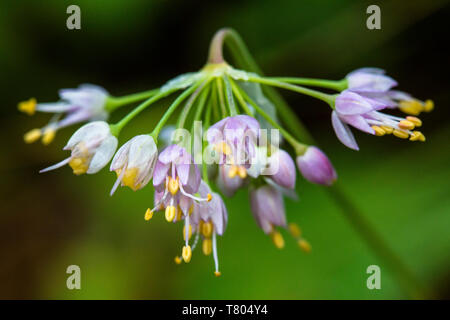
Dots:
{"x": 51, "y": 221}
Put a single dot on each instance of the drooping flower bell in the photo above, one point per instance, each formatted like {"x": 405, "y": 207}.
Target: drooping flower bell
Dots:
{"x": 235, "y": 139}
{"x": 176, "y": 180}
{"x": 134, "y": 162}
{"x": 86, "y": 103}
{"x": 268, "y": 209}
{"x": 92, "y": 147}
{"x": 373, "y": 83}
{"x": 363, "y": 113}
{"x": 316, "y": 167}
{"x": 210, "y": 219}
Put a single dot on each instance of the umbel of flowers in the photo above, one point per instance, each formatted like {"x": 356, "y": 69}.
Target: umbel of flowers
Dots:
{"x": 236, "y": 117}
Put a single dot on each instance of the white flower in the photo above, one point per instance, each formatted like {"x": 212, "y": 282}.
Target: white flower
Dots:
{"x": 92, "y": 148}
{"x": 85, "y": 103}
{"x": 134, "y": 162}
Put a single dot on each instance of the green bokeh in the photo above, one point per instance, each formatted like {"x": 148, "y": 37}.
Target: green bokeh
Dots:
{"x": 50, "y": 221}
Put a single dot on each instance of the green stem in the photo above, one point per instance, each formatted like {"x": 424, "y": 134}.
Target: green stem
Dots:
{"x": 219, "y": 91}
{"x": 207, "y": 123}
{"x": 354, "y": 216}
{"x": 200, "y": 106}
{"x": 229, "y": 95}
{"x": 116, "y": 128}
{"x": 171, "y": 110}
{"x": 299, "y": 148}
{"x": 309, "y": 92}
{"x": 244, "y": 59}
{"x": 189, "y": 104}
{"x": 113, "y": 103}
{"x": 338, "y": 85}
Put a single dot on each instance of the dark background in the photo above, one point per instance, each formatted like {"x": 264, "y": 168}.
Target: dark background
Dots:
{"x": 48, "y": 222}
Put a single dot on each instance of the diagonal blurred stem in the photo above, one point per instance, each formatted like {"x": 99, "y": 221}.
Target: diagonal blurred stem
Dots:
{"x": 363, "y": 227}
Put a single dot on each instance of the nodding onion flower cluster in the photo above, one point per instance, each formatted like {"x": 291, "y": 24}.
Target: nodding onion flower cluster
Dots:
{"x": 243, "y": 156}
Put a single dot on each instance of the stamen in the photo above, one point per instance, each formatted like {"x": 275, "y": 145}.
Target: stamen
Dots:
{"x": 32, "y": 135}
{"x": 177, "y": 260}
{"x": 208, "y": 198}
{"x": 222, "y": 147}
{"x": 120, "y": 174}
{"x": 191, "y": 196}
{"x": 417, "y": 136}
{"x": 56, "y": 166}
{"x": 170, "y": 213}
{"x": 207, "y": 229}
{"x": 406, "y": 125}
{"x": 417, "y": 122}
{"x": 207, "y": 246}
{"x": 216, "y": 259}
{"x": 148, "y": 214}
{"x": 412, "y": 107}
{"x": 79, "y": 165}
{"x": 48, "y": 136}
{"x": 400, "y": 134}
{"x": 189, "y": 228}
{"x": 186, "y": 254}
{"x": 28, "y": 107}
{"x": 295, "y": 230}
{"x": 304, "y": 245}
{"x": 242, "y": 172}
{"x": 378, "y": 131}
{"x": 428, "y": 105}
{"x": 173, "y": 185}
{"x": 387, "y": 129}
{"x": 129, "y": 178}
{"x": 197, "y": 237}
{"x": 277, "y": 239}
{"x": 233, "y": 172}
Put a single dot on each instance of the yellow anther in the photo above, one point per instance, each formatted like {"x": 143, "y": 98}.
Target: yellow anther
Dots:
{"x": 191, "y": 208}
{"x": 217, "y": 273}
{"x": 378, "y": 131}
{"x": 171, "y": 211}
{"x": 406, "y": 125}
{"x": 428, "y": 106}
{"x": 186, "y": 254}
{"x": 295, "y": 230}
{"x": 304, "y": 245}
{"x": 32, "y": 135}
{"x": 233, "y": 171}
{"x": 417, "y": 136}
{"x": 28, "y": 107}
{"x": 417, "y": 122}
{"x": 209, "y": 197}
{"x": 148, "y": 214}
{"x": 174, "y": 185}
{"x": 79, "y": 165}
{"x": 207, "y": 246}
{"x": 48, "y": 136}
{"x": 177, "y": 260}
{"x": 387, "y": 129}
{"x": 412, "y": 107}
{"x": 277, "y": 239}
{"x": 222, "y": 147}
{"x": 129, "y": 178}
{"x": 207, "y": 229}
{"x": 179, "y": 213}
{"x": 242, "y": 172}
{"x": 400, "y": 134}
{"x": 189, "y": 233}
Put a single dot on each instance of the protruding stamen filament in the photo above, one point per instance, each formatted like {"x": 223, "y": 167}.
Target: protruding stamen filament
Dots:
{"x": 379, "y": 131}
{"x": 32, "y": 135}
{"x": 189, "y": 232}
{"x": 56, "y": 166}
{"x": 170, "y": 213}
{"x": 416, "y": 121}
{"x": 28, "y": 107}
{"x": 400, "y": 134}
{"x": 186, "y": 254}
{"x": 148, "y": 214}
{"x": 216, "y": 259}
{"x": 173, "y": 185}
{"x": 406, "y": 125}
{"x": 207, "y": 229}
{"x": 190, "y": 195}
{"x": 277, "y": 239}
{"x": 304, "y": 245}
{"x": 207, "y": 246}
